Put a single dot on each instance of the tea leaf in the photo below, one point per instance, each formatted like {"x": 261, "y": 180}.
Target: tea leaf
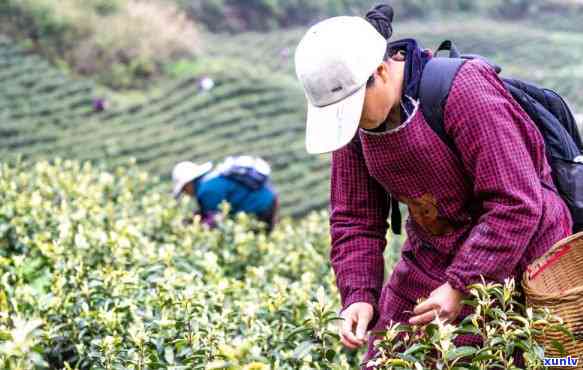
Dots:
{"x": 559, "y": 347}
{"x": 461, "y": 352}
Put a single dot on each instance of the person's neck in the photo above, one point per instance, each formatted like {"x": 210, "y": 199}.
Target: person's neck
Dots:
{"x": 394, "y": 118}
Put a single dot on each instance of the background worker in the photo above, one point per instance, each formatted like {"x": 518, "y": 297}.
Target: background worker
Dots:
{"x": 243, "y": 181}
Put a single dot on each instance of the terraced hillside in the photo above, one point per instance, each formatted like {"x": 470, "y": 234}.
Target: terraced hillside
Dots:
{"x": 256, "y": 106}
{"x": 538, "y": 54}
{"x": 44, "y": 114}
{"x": 36, "y": 96}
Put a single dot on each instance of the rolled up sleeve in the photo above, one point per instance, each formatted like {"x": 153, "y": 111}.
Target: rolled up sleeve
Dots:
{"x": 489, "y": 130}
{"x": 358, "y": 222}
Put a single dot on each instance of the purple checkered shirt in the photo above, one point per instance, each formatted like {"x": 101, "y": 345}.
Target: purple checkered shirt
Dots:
{"x": 490, "y": 212}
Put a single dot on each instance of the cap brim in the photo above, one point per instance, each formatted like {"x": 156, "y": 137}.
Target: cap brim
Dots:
{"x": 203, "y": 169}
{"x": 177, "y": 191}
{"x": 331, "y": 127}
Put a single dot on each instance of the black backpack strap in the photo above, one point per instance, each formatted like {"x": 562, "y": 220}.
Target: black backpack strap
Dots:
{"x": 396, "y": 218}
{"x": 436, "y": 81}
{"x": 448, "y": 45}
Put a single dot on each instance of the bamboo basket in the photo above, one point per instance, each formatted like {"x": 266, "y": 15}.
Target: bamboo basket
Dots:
{"x": 555, "y": 280}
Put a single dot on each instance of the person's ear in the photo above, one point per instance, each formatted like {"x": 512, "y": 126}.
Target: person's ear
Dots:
{"x": 383, "y": 72}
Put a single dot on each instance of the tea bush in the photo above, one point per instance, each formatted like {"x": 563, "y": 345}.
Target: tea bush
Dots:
{"x": 98, "y": 271}
{"x": 504, "y": 327}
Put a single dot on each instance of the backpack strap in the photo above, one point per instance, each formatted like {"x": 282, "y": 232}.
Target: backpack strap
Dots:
{"x": 436, "y": 80}
{"x": 396, "y": 217}
{"x": 448, "y": 45}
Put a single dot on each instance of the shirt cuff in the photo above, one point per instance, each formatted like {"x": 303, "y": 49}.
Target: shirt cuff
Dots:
{"x": 457, "y": 282}
{"x": 367, "y": 296}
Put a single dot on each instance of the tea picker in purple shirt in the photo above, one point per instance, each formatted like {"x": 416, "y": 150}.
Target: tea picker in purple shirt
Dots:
{"x": 487, "y": 211}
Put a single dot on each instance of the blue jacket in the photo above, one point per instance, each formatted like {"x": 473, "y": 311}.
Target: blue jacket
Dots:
{"x": 214, "y": 188}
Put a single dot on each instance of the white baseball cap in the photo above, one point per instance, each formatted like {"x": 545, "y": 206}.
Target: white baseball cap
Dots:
{"x": 333, "y": 61}
{"x": 186, "y": 171}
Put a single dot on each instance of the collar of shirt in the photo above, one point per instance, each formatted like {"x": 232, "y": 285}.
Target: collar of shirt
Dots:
{"x": 409, "y": 107}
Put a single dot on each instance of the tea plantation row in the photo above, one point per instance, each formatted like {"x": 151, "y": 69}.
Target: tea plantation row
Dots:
{"x": 98, "y": 272}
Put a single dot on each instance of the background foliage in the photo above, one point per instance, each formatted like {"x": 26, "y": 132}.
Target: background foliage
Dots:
{"x": 98, "y": 272}
{"x": 123, "y": 42}
{"x": 240, "y": 15}
{"x": 256, "y": 106}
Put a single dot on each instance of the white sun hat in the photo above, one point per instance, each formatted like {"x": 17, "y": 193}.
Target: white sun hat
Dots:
{"x": 186, "y": 171}
{"x": 333, "y": 61}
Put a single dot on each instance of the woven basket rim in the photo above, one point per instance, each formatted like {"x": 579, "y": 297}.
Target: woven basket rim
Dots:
{"x": 526, "y": 281}
{"x": 576, "y": 291}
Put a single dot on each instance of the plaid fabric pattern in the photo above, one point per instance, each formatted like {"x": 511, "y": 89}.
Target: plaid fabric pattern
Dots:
{"x": 497, "y": 203}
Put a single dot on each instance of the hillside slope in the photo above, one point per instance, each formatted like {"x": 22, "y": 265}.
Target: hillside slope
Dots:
{"x": 542, "y": 55}
{"x": 256, "y": 106}
{"x": 45, "y": 114}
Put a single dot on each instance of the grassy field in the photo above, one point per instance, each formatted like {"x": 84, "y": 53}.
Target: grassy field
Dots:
{"x": 256, "y": 106}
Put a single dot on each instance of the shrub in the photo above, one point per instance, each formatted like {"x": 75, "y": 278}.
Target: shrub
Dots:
{"x": 139, "y": 40}
{"x": 124, "y": 43}
{"x": 97, "y": 271}
{"x": 503, "y": 325}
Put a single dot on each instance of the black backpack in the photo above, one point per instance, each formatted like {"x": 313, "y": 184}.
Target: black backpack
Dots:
{"x": 545, "y": 107}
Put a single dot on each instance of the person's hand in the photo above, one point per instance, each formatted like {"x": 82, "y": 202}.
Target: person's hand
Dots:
{"x": 444, "y": 301}
{"x": 353, "y": 328}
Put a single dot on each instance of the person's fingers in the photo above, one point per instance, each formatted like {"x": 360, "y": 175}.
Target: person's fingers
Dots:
{"x": 363, "y": 320}
{"x": 426, "y": 305}
{"x": 347, "y": 322}
{"x": 346, "y": 334}
{"x": 350, "y": 341}
{"x": 449, "y": 314}
{"x": 424, "y": 318}
{"x": 445, "y": 313}
{"x": 346, "y": 343}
